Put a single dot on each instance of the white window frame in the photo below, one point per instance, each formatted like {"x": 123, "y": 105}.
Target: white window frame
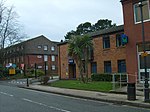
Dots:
{"x": 45, "y": 47}
{"x": 53, "y": 48}
{"x": 53, "y": 67}
{"x": 39, "y": 46}
{"x": 39, "y": 67}
{"x": 39, "y": 56}
{"x": 45, "y": 58}
{"x": 53, "y": 58}
{"x": 137, "y": 22}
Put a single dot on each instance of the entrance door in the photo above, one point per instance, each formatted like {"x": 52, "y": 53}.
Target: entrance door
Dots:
{"x": 141, "y": 66}
{"x": 72, "y": 71}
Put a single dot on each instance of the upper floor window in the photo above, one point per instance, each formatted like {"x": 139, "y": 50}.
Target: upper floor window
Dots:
{"x": 106, "y": 42}
{"x": 22, "y": 47}
{"x": 45, "y": 48}
{"x": 52, "y": 48}
{"x": 39, "y": 46}
{"x": 118, "y": 40}
{"x": 137, "y": 11}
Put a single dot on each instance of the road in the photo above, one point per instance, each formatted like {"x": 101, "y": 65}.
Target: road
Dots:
{"x": 14, "y": 99}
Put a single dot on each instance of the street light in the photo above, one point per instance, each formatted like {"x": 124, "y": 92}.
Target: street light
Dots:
{"x": 146, "y": 85}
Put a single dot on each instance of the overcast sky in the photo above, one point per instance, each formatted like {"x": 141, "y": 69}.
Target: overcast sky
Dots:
{"x": 54, "y": 18}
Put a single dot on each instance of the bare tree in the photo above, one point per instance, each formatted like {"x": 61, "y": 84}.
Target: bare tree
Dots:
{"x": 10, "y": 30}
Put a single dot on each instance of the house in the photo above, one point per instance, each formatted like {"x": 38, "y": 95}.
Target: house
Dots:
{"x": 108, "y": 54}
{"x": 39, "y": 50}
{"x": 133, "y": 29}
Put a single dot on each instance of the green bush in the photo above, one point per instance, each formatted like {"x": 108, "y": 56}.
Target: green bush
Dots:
{"x": 101, "y": 77}
{"x": 107, "y": 77}
{"x": 40, "y": 73}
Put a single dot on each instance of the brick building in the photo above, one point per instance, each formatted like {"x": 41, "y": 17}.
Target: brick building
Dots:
{"x": 108, "y": 55}
{"x": 133, "y": 29}
{"x": 36, "y": 50}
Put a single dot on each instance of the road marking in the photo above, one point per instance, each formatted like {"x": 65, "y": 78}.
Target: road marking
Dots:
{"x": 17, "y": 82}
{"x": 59, "y": 109}
{"x": 6, "y": 94}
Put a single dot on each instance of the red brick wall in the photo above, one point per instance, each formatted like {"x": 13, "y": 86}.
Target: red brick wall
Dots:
{"x": 112, "y": 54}
{"x": 100, "y": 55}
{"x": 135, "y": 36}
{"x": 63, "y": 61}
{"x": 30, "y": 60}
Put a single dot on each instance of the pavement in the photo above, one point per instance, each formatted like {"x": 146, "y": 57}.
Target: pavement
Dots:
{"x": 115, "y": 97}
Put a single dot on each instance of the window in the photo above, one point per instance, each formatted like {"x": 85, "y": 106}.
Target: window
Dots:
{"x": 39, "y": 67}
{"x": 106, "y": 42}
{"x": 118, "y": 40}
{"x": 39, "y": 46}
{"x": 107, "y": 66}
{"x": 53, "y": 58}
{"x": 45, "y": 58}
{"x": 39, "y": 56}
{"x": 121, "y": 66}
{"x": 146, "y": 11}
{"x": 45, "y": 48}
{"x": 93, "y": 67}
{"x": 52, "y": 48}
{"x": 53, "y": 67}
{"x": 22, "y": 47}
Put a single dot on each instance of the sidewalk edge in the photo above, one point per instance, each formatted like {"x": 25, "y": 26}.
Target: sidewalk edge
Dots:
{"x": 90, "y": 98}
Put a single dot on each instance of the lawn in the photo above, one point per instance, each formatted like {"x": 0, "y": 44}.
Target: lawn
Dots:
{"x": 75, "y": 84}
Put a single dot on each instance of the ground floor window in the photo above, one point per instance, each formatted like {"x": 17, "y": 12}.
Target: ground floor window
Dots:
{"x": 93, "y": 67}
{"x": 107, "y": 67}
{"x": 121, "y": 66}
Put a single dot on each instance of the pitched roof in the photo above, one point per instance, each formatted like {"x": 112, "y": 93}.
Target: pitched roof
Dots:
{"x": 107, "y": 31}
{"x": 101, "y": 32}
{"x": 41, "y": 36}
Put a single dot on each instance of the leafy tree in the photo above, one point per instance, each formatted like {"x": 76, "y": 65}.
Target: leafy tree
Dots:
{"x": 78, "y": 49}
{"x": 83, "y": 28}
{"x": 87, "y": 27}
{"x": 102, "y": 24}
{"x": 70, "y": 34}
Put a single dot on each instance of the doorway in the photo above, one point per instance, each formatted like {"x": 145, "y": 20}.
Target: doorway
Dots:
{"x": 72, "y": 71}
{"x": 141, "y": 66}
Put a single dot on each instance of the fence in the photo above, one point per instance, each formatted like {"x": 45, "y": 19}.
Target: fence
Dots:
{"x": 119, "y": 79}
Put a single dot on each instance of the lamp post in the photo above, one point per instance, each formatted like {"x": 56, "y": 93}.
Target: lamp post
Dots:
{"x": 146, "y": 85}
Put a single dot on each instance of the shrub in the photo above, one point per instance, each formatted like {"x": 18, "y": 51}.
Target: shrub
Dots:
{"x": 40, "y": 73}
{"x": 108, "y": 77}
{"x": 45, "y": 79}
{"x": 101, "y": 77}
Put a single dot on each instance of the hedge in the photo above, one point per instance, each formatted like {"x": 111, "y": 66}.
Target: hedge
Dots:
{"x": 106, "y": 77}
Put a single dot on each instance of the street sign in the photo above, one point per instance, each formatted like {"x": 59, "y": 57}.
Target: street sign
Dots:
{"x": 14, "y": 65}
{"x": 12, "y": 71}
{"x": 124, "y": 39}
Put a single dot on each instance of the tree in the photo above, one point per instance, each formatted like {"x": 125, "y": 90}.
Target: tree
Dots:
{"x": 78, "y": 49}
{"x": 70, "y": 34}
{"x": 87, "y": 27}
{"x": 102, "y": 24}
{"x": 83, "y": 28}
{"x": 10, "y": 30}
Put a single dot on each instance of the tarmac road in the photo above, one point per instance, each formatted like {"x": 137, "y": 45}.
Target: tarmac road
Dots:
{"x": 14, "y": 99}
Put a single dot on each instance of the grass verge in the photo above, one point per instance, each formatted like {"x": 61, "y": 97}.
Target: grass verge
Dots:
{"x": 75, "y": 84}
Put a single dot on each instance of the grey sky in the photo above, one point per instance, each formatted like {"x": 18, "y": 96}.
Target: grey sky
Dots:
{"x": 54, "y": 18}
